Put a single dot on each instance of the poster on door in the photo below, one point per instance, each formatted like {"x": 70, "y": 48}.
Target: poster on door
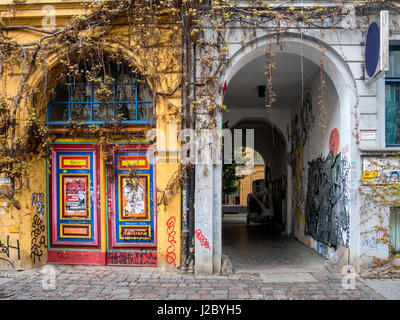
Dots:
{"x": 134, "y": 203}
{"x": 75, "y": 196}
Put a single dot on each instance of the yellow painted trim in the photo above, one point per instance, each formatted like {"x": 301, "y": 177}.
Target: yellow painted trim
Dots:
{"x": 75, "y": 140}
{"x": 126, "y": 162}
{"x": 137, "y": 139}
{"x": 87, "y": 200}
{"x": 120, "y": 198}
{"x": 75, "y": 225}
{"x": 103, "y": 200}
{"x": 66, "y": 157}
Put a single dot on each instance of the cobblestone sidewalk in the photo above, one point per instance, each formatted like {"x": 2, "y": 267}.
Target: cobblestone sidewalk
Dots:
{"x": 93, "y": 282}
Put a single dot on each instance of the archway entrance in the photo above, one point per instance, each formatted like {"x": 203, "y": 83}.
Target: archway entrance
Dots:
{"x": 102, "y": 206}
{"x": 299, "y": 141}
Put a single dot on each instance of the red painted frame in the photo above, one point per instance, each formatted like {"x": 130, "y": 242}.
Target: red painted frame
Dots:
{"x": 53, "y": 193}
{"x": 111, "y": 202}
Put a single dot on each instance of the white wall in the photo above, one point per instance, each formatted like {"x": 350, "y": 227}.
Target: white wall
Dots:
{"x": 356, "y": 107}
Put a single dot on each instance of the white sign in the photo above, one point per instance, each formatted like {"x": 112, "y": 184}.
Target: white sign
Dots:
{"x": 367, "y": 135}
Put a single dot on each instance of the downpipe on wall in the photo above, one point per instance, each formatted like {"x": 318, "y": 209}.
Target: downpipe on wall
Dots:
{"x": 187, "y": 214}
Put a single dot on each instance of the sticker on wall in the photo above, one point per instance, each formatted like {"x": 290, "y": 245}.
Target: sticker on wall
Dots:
{"x": 370, "y": 176}
{"x": 390, "y": 176}
{"x": 346, "y": 149}
{"x": 394, "y": 177}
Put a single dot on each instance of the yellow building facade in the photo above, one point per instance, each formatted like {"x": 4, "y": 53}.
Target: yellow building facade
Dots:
{"x": 246, "y": 185}
{"x": 79, "y": 204}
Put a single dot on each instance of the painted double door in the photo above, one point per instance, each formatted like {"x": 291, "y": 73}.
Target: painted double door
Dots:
{"x": 102, "y": 213}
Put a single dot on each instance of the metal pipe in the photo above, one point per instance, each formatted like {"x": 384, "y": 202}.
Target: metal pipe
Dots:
{"x": 184, "y": 209}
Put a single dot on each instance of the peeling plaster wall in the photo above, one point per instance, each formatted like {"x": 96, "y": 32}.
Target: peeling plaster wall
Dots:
{"x": 23, "y": 233}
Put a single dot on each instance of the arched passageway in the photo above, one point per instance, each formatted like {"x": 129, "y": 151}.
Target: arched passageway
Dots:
{"x": 298, "y": 138}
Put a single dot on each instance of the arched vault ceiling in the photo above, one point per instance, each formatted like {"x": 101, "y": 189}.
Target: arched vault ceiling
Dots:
{"x": 242, "y": 91}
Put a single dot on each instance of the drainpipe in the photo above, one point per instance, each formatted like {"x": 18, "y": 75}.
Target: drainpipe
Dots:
{"x": 185, "y": 124}
{"x": 191, "y": 185}
{"x": 188, "y": 65}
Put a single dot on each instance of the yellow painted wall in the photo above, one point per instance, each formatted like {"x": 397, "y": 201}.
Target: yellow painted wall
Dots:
{"x": 247, "y": 183}
{"x": 26, "y": 226}
{"x": 17, "y": 225}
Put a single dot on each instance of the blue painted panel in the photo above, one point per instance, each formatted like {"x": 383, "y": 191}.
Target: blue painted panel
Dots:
{"x": 147, "y": 223}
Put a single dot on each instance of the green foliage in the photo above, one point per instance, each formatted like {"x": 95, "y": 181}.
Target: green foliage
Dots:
{"x": 230, "y": 179}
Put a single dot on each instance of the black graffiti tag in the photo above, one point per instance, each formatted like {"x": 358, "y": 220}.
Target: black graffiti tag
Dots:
{"x": 326, "y": 211}
{"x": 38, "y": 234}
{"x": 5, "y": 250}
{"x": 132, "y": 258}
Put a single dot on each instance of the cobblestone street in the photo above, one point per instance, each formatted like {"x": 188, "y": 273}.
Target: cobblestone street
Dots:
{"x": 266, "y": 267}
{"x": 89, "y": 282}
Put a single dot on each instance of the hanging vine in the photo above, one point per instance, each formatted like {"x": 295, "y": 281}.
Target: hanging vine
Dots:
{"x": 147, "y": 37}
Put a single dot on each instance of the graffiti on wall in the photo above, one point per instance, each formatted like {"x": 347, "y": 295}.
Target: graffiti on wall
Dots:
{"x": 202, "y": 239}
{"x": 276, "y": 190}
{"x": 171, "y": 255}
{"x": 372, "y": 242}
{"x": 131, "y": 258}
{"x": 298, "y": 135}
{"x": 278, "y": 194}
{"x": 327, "y": 209}
{"x": 5, "y": 249}
{"x": 38, "y": 233}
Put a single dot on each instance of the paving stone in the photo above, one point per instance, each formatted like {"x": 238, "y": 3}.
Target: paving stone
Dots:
{"x": 177, "y": 296}
{"x": 218, "y": 292}
{"x": 243, "y": 296}
{"x": 121, "y": 291}
{"x": 110, "y": 283}
{"x": 121, "y": 296}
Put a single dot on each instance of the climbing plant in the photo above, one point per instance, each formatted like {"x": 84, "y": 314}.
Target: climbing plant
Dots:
{"x": 179, "y": 47}
{"x": 381, "y": 199}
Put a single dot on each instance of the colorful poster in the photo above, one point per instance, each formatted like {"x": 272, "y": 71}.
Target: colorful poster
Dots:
{"x": 75, "y": 196}
{"x": 134, "y": 198}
